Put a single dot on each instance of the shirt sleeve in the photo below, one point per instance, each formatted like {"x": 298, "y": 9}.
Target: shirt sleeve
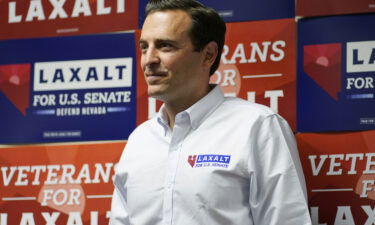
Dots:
{"x": 277, "y": 184}
{"x": 119, "y": 212}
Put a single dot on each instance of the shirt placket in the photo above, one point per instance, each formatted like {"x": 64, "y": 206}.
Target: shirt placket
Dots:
{"x": 180, "y": 130}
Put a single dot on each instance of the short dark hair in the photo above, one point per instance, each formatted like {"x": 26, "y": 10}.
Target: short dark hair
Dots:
{"x": 207, "y": 25}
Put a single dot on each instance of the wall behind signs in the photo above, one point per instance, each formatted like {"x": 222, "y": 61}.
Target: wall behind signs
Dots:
{"x": 63, "y": 141}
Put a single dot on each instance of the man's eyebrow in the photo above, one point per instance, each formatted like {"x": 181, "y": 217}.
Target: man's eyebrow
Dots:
{"x": 141, "y": 41}
{"x": 166, "y": 40}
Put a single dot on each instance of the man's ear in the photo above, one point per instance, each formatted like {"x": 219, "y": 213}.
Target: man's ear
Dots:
{"x": 210, "y": 53}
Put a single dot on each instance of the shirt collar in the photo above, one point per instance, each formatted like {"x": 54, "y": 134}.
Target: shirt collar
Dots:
{"x": 199, "y": 111}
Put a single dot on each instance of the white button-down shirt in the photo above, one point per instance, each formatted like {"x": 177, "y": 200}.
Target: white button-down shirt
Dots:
{"x": 226, "y": 161}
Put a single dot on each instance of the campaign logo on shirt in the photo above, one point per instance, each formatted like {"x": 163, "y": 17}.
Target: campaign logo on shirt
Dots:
{"x": 209, "y": 161}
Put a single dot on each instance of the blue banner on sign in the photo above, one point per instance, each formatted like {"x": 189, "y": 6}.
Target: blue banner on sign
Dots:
{"x": 336, "y": 73}
{"x": 239, "y": 10}
{"x": 62, "y": 89}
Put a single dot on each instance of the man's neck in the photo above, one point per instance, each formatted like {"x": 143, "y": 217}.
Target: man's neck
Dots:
{"x": 176, "y": 106}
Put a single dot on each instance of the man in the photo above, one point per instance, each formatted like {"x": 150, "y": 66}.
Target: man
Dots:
{"x": 205, "y": 159}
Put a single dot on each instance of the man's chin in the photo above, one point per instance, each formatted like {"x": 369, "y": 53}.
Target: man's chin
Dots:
{"x": 158, "y": 94}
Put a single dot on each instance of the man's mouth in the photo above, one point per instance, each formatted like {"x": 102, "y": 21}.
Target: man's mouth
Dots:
{"x": 155, "y": 77}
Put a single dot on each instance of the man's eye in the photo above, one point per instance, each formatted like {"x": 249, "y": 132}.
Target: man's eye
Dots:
{"x": 166, "y": 46}
{"x": 143, "y": 48}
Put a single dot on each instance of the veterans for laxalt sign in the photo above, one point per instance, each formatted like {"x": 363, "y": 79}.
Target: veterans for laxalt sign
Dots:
{"x": 57, "y": 184}
{"x": 258, "y": 64}
{"x": 340, "y": 176}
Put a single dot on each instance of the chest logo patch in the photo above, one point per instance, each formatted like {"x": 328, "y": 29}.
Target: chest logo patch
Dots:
{"x": 196, "y": 161}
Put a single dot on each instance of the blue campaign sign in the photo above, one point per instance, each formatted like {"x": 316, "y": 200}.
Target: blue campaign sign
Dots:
{"x": 336, "y": 73}
{"x": 79, "y": 88}
{"x": 240, "y": 10}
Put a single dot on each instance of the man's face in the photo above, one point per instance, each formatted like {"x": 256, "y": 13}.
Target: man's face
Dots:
{"x": 172, "y": 69}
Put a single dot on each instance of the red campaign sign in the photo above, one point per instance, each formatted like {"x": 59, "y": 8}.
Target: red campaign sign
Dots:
{"x": 258, "y": 64}
{"x": 46, "y": 18}
{"x": 340, "y": 176}
{"x": 333, "y": 7}
{"x": 58, "y": 184}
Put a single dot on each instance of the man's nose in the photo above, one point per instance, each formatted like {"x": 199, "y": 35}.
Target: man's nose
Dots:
{"x": 151, "y": 57}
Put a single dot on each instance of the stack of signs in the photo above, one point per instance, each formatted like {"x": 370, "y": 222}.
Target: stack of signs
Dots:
{"x": 78, "y": 88}
{"x": 336, "y": 73}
